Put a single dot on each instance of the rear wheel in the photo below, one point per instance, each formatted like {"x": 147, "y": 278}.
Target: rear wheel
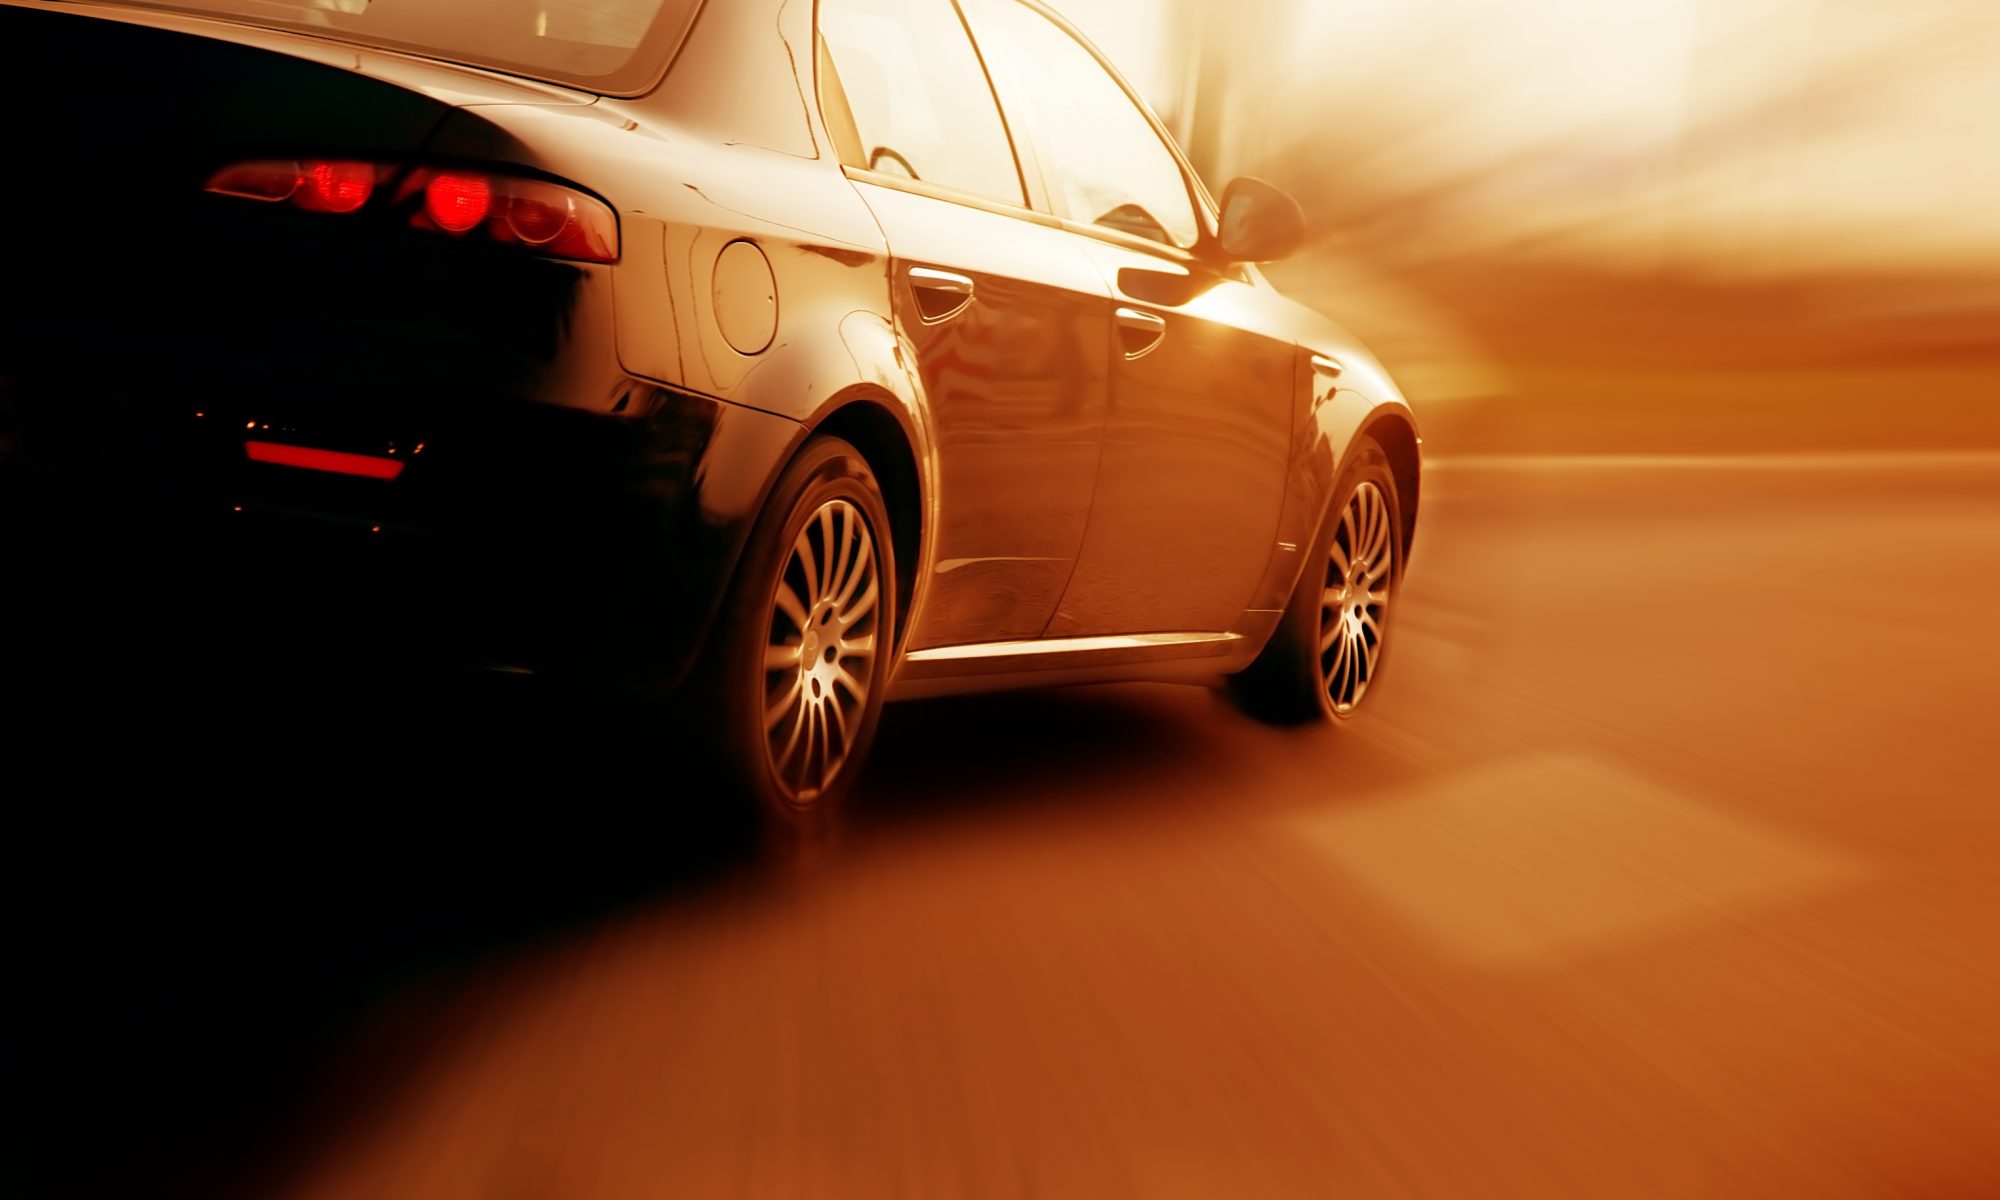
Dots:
{"x": 1328, "y": 648}
{"x": 805, "y": 644}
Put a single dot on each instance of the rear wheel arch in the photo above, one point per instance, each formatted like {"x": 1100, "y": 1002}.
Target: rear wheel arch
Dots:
{"x": 871, "y": 426}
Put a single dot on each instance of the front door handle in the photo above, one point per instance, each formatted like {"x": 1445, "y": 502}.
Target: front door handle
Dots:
{"x": 941, "y": 295}
{"x": 1139, "y": 331}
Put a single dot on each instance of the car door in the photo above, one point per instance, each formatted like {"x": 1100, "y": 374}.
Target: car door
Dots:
{"x": 1203, "y": 376}
{"x": 1004, "y": 310}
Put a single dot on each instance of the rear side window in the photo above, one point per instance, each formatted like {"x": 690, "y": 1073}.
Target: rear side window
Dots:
{"x": 921, "y": 106}
{"x": 1102, "y": 159}
{"x": 603, "y": 45}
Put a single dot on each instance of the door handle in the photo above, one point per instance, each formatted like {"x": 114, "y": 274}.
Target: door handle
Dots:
{"x": 1139, "y": 331}
{"x": 941, "y": 295}
{"x": 1327, "y": 366}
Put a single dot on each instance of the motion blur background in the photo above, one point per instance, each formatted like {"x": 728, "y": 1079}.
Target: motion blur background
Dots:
{"x": 1644, "y": 225}
{"x": 1662, "y": 865}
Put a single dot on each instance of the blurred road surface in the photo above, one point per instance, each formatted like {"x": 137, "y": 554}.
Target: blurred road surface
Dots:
{"x": 1663, "y": 866}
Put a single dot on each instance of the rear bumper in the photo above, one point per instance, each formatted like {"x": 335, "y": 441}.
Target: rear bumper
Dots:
{"x": 515, "y": 533}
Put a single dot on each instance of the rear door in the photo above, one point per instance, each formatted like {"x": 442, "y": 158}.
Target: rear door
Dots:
{"x": 1005, "y": 310}
{"x": 1198, "y": 435}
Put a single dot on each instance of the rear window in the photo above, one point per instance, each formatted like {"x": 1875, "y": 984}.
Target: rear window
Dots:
{"x": 599, "y": 45}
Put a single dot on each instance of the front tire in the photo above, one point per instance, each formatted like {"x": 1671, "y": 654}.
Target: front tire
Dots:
{"x": 1328, "y": 648}
{"x": 805, "y": 644}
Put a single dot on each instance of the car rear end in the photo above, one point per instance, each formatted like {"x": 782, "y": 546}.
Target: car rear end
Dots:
{"x": 268, "y": 360}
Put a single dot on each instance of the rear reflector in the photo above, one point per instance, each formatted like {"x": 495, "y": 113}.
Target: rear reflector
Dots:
{"x": 323, "y": 460}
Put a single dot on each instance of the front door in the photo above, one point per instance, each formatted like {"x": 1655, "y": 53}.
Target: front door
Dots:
{"x": 1198, "y": 437}
{"x": 1006, "y": 316}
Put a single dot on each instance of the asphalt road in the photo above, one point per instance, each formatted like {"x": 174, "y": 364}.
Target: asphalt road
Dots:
{"x": 1663, "y": 866}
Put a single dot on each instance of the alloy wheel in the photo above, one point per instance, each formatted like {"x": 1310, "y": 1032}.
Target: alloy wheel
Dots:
{"x": 821, "y": 654}
{"x": 1354, "y": 604}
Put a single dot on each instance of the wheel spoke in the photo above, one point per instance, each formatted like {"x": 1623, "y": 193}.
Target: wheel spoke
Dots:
{"x": 1337, "y": 638}
{"x": 845, "y": 563}
{"x": 828, "y": 552}
{"x": 1342, "y": 562}
{"x": 1378, "y": 532}
{"x": 840, "y": 719}
{"x": 1331, "y": 631}
{"x": 811, "y": 775}
{"x": 850, "y": 617}
{"x": 799, "y": 711}
{"x": 802, "y": 550}
{"x": 846, "y": 678}
{"x": 779, "y": 658}
{"x": 864, "y": 569}
{"x": 789, "y": 603}
{"x": 858, "y": 647}
{"x": 784, "y": 704}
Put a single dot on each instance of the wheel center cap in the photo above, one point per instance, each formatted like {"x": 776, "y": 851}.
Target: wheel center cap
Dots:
{"x": 809, "y": 652}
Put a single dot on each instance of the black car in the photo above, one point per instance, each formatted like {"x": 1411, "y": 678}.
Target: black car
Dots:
{"x": 778, "y": 358}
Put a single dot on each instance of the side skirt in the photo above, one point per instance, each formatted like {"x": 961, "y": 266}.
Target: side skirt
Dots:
{"x": 1058, "y": 662}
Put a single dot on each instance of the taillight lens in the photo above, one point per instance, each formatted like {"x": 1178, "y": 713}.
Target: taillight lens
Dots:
{"x": 270, "y": 180}
{"x": 546, "y": 218}
{"x": 335, "y": 187}
{"x": 532, "y": 214}
{"x": 456, "y": 203}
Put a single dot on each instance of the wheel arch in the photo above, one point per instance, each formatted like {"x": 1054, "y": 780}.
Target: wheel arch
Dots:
{"x": 869, "y": 422}
{"x": 1394, "y": 431}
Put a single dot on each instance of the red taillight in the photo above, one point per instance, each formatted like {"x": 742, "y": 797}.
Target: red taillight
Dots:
{"x": 545, "y": 218}
{"x": 336, "y": 187}
{"x": 313, "y": 459}
{"x": 456, "y": 203}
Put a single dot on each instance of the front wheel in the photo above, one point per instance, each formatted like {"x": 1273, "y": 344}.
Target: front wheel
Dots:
{"x": 1327, "y": 651}
{"x": 804, "y": 649}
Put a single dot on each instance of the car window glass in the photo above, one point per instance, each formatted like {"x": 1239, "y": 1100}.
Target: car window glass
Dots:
{"x": 1103, "y": 162}
{"x": 614, "y": 44}
{"x": 918, "y": 95}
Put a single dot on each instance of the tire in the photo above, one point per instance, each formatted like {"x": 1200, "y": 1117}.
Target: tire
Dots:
{"x": 1329, "y": 646}
{"x": 802, "y": 650}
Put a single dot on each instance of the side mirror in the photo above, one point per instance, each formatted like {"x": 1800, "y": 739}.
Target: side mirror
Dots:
{"x": 1259, "y": 222}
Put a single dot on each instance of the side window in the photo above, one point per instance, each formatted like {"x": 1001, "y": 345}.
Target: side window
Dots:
{"x": 918, "y": 99}
{"x": 1102, "y": 160}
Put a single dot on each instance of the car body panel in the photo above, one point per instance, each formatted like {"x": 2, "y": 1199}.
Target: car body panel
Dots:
{"x": 1015, "y": 385}
{"x": 1193, "y": 473}
{"x": 167, "y": 325}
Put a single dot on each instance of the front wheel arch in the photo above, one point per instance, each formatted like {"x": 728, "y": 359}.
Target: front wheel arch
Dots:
{"x": 1286, "y": 683}
{"x": 1397, "y": 435}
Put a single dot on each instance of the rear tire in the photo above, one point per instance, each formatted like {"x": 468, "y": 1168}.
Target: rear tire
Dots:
{"x": 803, "y": 647}
{"x": 1328, "y": 649}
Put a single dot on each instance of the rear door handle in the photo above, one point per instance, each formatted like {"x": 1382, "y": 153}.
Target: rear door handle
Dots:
{"x": 1139, "y": 331}
{"x": 941, "y": 295}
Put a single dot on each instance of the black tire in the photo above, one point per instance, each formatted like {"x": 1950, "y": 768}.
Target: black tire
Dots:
{"x": 1299, "y": 677}
{"x": 797, "y": 769}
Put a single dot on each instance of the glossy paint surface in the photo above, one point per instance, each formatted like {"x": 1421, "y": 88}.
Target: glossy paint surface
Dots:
{"x": 1015, "y": 383}
{"x": 590, "y": 433}
{"x": 1195, "y": 452}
